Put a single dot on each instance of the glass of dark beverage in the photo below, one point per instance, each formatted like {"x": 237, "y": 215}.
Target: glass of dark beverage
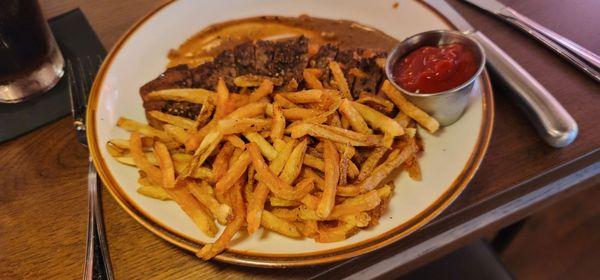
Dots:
{"x": 30, "y": 61}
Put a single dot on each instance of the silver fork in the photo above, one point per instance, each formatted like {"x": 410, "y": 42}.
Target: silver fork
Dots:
{"x": 81, "y": 73}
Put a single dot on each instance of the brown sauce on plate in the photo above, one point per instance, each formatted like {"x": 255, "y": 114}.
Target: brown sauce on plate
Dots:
{"x": 206, "y": 44}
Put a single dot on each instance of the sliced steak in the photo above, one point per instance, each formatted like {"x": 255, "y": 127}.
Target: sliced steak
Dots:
{"x": 374, "y": 74}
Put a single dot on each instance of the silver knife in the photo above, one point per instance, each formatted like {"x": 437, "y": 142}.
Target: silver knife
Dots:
{"x": 584, "y": 59}
{"x": 554, "y": 124}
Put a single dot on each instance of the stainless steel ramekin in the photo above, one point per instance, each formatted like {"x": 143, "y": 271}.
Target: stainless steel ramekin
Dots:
{"x": 446, "y": 106}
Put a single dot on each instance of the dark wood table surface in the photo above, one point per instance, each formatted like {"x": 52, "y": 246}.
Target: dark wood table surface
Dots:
{"x": 43, "y": 207}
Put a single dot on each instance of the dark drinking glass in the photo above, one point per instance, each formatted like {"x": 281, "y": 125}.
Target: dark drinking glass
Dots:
{"x": 30, "y": 61}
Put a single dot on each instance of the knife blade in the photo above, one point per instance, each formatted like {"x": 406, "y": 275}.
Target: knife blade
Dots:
{"x": 582, "y": 58}
{"x": 552, "y": 122}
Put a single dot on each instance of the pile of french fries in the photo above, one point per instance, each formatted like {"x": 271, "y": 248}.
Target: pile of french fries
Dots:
{"x": 310, "y": 163}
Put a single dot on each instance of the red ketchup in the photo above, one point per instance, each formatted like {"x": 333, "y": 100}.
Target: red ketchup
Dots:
{"x": 435, "y": 69}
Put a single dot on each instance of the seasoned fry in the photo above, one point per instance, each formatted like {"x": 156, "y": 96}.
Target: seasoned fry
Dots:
{"x": 340, "y": 80}
{"x": 357, "y": 122}
{"x": 338, "y": 233}
{"x": 278, "y": 163}
{"x": 371, "y": 162}
{"x": 314, "y": 162}
{"x": 383, "y": 170}
{"x": 174, "y": 120}
{"x": 222, "y": 100}
{"x": 256, "y": 206}
{"x": 211, "y": 250}
{"x": 234, "y": 126}
{"x": 308, "y": 96}
{"x": 222, "y": 212}
{"x": 352, "y": 205}
{"x": 196, "y": 211}
{"x": 235, "y": 172}
{"x": 311, "y": 80}
{"x": 265, "y": 88}
{"x": 278, "y": 123}
{"x": 293, "y": 165}
{"x": 221, "y": 162}
{"x": 279, "y": 225}
{"x": 208, "y": 108}
{"x": 332, "y": 175}
{"x": 275, "y": 184}
{"x": 379, "y": 120}
{"x": 135, "y": 146}
{"x": 284, "y": 102}
{"x": 408, "y": 108}
{"x": 144, "y": 129}
{"x": 177, "y": 133}
{"x": 265, "y": 147}
{"x": 192, "y": 95}
{"x": 335, "y": 134}
{"x": 254, "y": 80}
{"x": 377, "y": 101}
{"x": 298, "y": 113}
{"x": 166, "y": 165}
{"x": 153, "y": 192}
{"x": 236, "y": 141}
{"x": 280, "y": 202}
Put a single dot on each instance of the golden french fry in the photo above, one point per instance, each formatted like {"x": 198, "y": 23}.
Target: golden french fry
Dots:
{"x": 286, "y": 214}
{"x": 356, "y": 204}
{"x": 153, "y": 192}
{"x": 340, "y": 80}
{"x": 209, "y": 143}
{"x": 256, "y": 207}
{"x": 211, "y": 250}
{"x": 383, "y": 170}
{"x": 235, "y": 172}
{"x": 334, "y": 234}
{"x": 379, "y": 120}
{"x": 408, "y": 108}
{"x": 236, "y": 141}
{"x": 278, "y": 123}
{"x": 310, "y": 228}
{"x": 278, "y": 163}
{"x": 144, "y": 129}
{"x": 311, "y": 80}
{"x": 265, "y": 88}
{"x": 414, "y": 171}
{"x": 275, "y": 184}
{"x": 314, "y": 162}
{"x": 177, "y": 133}
{"x": 200, "y": 216}
{"x": 335, "y": 134}
{"x": 135, "y": 147}
{"x": 192, "y": 95}
{"x": 360, "y": 219}
{"x": 311, "y": 201}
{"x": 182, "y": 122}
{"x": 265, "y": 147}
{"x": 233, "y": 126}
{"x": 279, "y": 225}
{"x": 357, "y": 122}
{"x": 221, "y": 162}
{"x": 280, "y": 202}
{"x": 222, "y": 100}
{"x": 208, "y": 108}
{"x": 222, "y": 212}
{"x": 314, "y": 71}
{"x": 379, "y": 102}
{"x": 308, "y": 96}
{"x": 332, "y": 175}
{"x": 166, "y": 164}
{"x": 352, "y": 169}
{"x": 255, "y": 80}
{"x": 403, "y": 119}
{"x": 371, "y": 162}
{"x": 293, "y": 165}
{"x": 284, "y": 102}
{"x": 309, "y": 173}
{"x": 300, "y": 113}
{"x": 357, "y": 73}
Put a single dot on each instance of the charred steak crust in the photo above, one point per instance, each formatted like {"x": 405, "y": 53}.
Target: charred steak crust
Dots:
{"x": 285, "y": 60}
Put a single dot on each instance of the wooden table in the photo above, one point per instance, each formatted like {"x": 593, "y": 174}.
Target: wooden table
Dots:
{"x": 43, "y": 174}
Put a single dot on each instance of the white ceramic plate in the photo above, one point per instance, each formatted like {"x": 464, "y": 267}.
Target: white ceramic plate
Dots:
{"x": 449, "y": 162}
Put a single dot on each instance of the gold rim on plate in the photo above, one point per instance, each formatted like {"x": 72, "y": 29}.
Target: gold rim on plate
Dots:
{"x": 286, "y": 260}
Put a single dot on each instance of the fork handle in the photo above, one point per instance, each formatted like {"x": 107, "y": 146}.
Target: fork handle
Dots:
{"x": 97, "y": 260}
